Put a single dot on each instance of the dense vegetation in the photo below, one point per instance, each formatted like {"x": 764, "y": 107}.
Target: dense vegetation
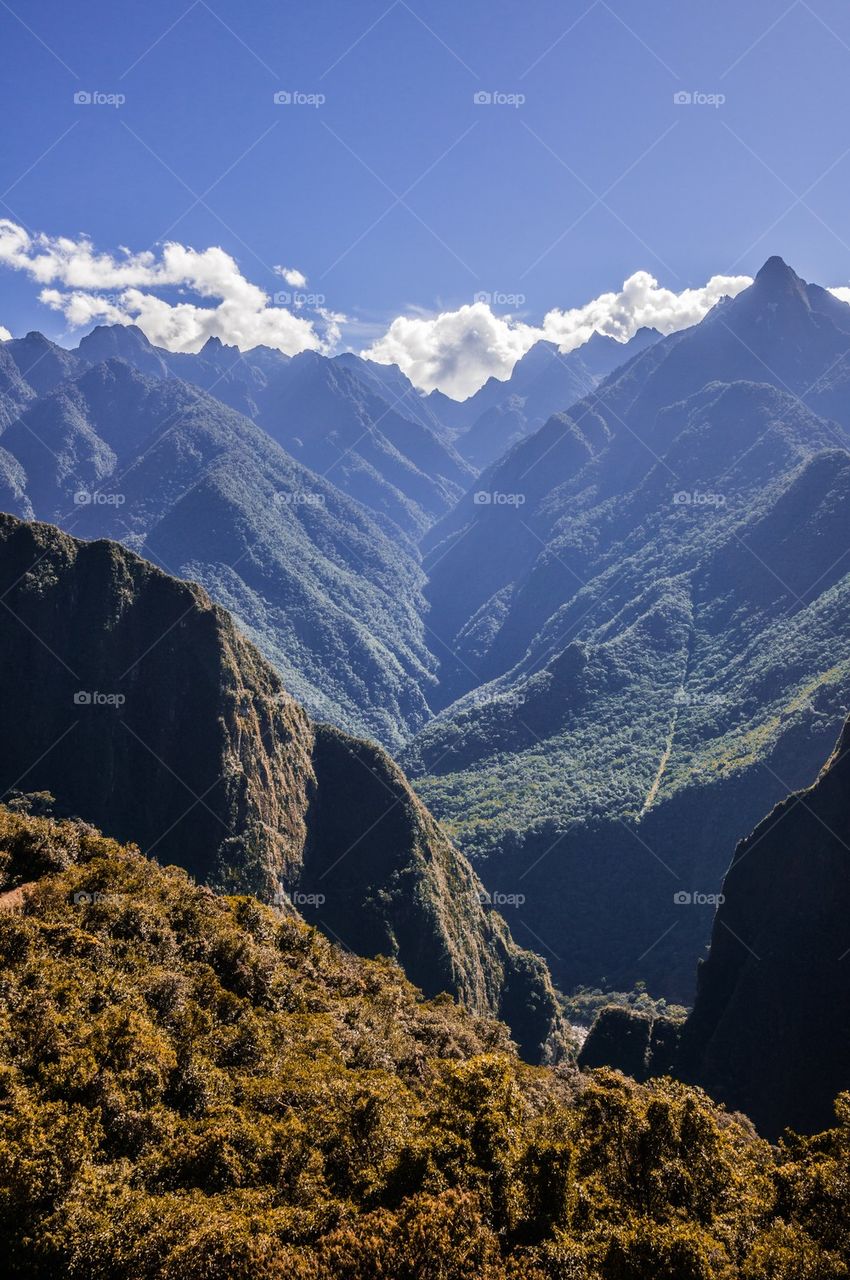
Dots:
{"x": 651, "y": 643}
{"x": 331, "y": 597}
{"x": 195, "y": 1088}
{"x": 193, "y": 748}
{"x": 584, "y": 1003}
{"x": 327, "y": 416}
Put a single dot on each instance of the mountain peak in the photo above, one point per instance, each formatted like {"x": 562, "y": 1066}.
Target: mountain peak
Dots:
{"x": 113, "y": 339}
{"x": 777, "y": 277}
{"x": 215, "y": 347}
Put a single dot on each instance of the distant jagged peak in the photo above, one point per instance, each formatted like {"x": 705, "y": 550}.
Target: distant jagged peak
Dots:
{"x": 214, "y": 347}
{"x": 115, "y": 337}
{"x": 776, "y": 274}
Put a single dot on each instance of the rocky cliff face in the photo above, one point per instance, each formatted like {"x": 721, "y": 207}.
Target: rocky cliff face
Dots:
{"x": 769, "y": 1034}
{"x": 770, "y": 1029}
{"x": 137, "y": 703}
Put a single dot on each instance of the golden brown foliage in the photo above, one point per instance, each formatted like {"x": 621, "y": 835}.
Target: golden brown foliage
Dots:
{"x": 192, "y": 1088}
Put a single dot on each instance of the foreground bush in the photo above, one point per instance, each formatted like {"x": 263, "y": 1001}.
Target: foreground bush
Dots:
{"x": 193, "y": 1088}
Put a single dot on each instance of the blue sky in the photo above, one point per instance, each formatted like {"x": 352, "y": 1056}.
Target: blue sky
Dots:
{"x": 500, "y": 198}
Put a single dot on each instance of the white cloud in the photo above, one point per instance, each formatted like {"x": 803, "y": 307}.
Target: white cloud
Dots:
{"x": 841, "y": 292}
{"x": 293, "y": 277}
{"x": 5, "y": 335}
{"x": 87, "y": 286}
{"x": 640, "y": 303}
{"x": 457, "y": 351}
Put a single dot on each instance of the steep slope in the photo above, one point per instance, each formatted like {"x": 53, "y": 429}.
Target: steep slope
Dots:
{"x": 695, "y": 551}
{"x": 782, "y": 330}
{"x": 15, "y": 391}
{"x": 779, "y": 322}
{"x": 542, "y": 383}
{"x": 397, "y": 390}
{"x": 331, "y": 599}
{"x": 197, "y": 1088}
{"x": 362, "y": 425}
{"x": 770, "y": 1030}
{"x": 327, "y": 417}
{"x": 139, "y": 706}
{"x": 40, "y": 363}
{"x": 362, "y": 422}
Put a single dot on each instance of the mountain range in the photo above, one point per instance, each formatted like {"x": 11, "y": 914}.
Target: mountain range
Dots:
{"x": 544, "y": 381}
{"x": 172, "y": 454}
{"x": 332, "y": 598}
{"x": 643, "y": 620}
{"x": 602, "y": 664}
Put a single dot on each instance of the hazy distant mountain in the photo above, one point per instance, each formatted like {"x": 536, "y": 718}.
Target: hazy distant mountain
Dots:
{"x": 235, "y": 378}
{"x": 327, "y": 416}
{"x": 40, "y": 363}
{"x": 169, "y": 470}
{"x": 397, "y": 389}
{"x": 362, "y": 424}
{"x": 543, "y": 382}
{"x": 645, "y": 609}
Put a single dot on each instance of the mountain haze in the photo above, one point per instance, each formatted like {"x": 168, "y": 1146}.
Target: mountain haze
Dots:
{"x": 332, "y": 599}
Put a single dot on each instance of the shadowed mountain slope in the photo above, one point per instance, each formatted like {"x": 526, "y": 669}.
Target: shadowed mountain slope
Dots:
{"x": 138, "y": 704}
{"x": 172, "y": 472}
{"x": 770, "y": 1029}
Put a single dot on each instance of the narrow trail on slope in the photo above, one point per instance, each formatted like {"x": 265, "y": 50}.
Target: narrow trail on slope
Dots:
{"x": 668, "y": 748}
{"x": 671, "y": 733}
